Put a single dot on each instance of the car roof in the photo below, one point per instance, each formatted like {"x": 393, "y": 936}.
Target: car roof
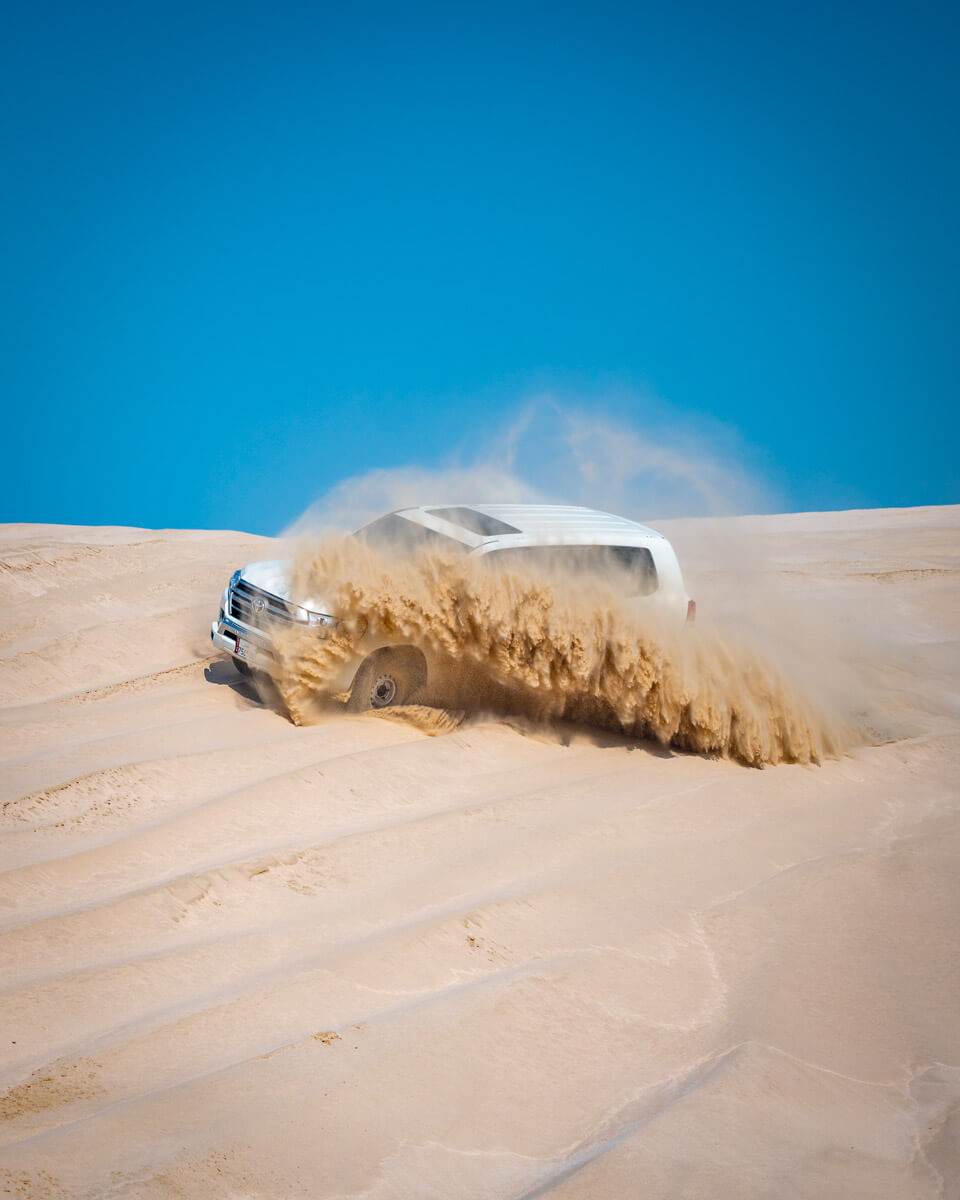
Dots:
{"x": 562, "y": 524}
{"x": 546, "y": 518}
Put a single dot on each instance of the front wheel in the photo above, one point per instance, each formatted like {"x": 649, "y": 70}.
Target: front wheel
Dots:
{"x": 389, "y": 677}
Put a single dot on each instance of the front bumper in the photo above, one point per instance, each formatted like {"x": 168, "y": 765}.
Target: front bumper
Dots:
{"x": 241, "y": 642}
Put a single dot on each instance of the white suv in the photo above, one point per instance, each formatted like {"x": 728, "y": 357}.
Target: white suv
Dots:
{"x": 529, "y": 536}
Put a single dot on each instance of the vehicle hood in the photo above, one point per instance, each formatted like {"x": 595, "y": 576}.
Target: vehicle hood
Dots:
{"x": 275, "y": 576}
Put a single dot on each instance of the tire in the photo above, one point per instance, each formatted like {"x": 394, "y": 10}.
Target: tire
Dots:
{"x": 389, "y": 677}
{"x": 261, "y": 680}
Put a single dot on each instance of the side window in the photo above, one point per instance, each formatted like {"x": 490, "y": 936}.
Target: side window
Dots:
{"x": 629, "y": 569}
{"x": 639, "y": 568}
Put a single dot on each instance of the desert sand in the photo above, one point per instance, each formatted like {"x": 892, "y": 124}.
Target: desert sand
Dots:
{"x": 240, "y": 958}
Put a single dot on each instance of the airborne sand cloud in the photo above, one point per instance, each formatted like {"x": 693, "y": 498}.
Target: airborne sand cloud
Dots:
{"x": 508, "y": 643}
{"x": 553, "y": 450}
{"x": 763, "y": 678}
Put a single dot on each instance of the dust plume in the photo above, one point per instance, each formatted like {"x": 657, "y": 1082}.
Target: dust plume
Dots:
{"x": 769, "y": 674}
{"x": 510, "y": 643}
{"x": 551, "y": 450}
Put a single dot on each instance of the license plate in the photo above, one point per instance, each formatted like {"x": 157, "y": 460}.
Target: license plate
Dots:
{"x": 246, "y": 650}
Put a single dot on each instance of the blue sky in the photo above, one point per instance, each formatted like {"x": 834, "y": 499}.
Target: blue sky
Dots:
{"x": 252, "y": 249}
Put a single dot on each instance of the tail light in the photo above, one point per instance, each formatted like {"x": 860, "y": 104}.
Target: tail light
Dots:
{"x": 691, "y": 610}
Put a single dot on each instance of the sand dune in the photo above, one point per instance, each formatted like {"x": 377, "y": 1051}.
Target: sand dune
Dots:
{"x": 240, "y": 958}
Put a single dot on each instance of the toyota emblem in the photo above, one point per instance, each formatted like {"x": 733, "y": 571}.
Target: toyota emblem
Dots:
{"x": 259, "y": 604}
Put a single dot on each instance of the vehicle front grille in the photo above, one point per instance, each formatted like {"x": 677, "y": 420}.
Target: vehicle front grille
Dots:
{"x": 253, "y": 606}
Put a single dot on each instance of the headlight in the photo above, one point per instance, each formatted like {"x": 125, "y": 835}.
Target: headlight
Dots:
{"x": 314, "y": 619}
{"x": 234, "y": 579}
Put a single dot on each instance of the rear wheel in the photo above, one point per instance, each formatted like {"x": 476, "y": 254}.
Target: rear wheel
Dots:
{"x": 389, "y": 677}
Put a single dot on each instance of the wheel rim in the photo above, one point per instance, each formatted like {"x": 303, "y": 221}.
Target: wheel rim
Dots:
{"x": 384, "y": 691}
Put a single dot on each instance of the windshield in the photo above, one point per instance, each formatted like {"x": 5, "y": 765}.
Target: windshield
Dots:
{"x": 629, "y": 569}
{"x": 396, "y": 533}
{"x": 476, "y": 522}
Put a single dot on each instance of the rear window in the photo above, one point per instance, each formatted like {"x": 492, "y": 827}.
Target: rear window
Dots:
{"x": 630, "y": 569}
{"x": 396, "y": 533}
{"x": 476, "y": 522}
